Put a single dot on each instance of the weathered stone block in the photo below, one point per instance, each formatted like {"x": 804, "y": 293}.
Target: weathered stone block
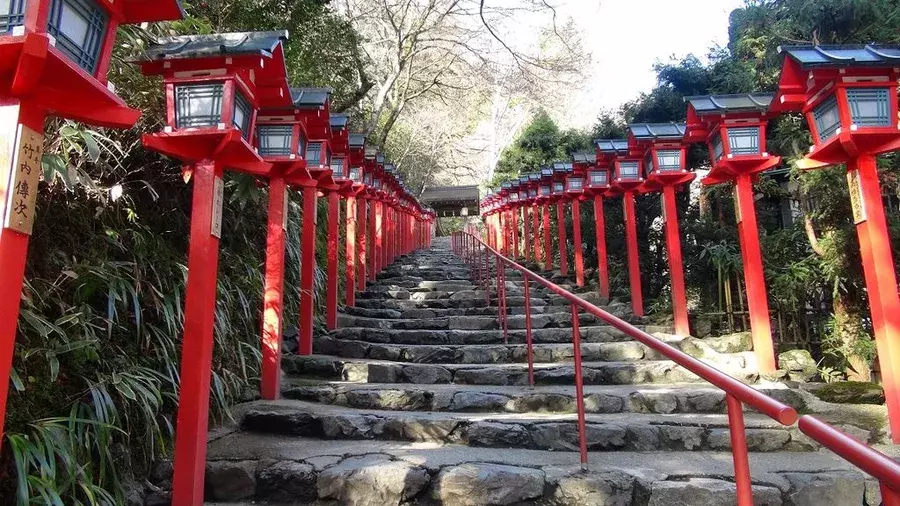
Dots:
{"x": 482, "y": 484}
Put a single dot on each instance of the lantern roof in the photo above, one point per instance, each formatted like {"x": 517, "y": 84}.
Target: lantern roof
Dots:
{"x": 524, "y": 178}
{"x": 216, "y": 44}
{"x": 357, "y": 141}
{"x": 148, "y": 11}
{"x": 339, "y": 121}
{"x": 584, "y": 158}
{"x": 723, "y": 104}
{"x": 379, "y": 158}
{"x": 657, "y": 131}
{"x": 562, "y": 166}
{"x": 612, "y": 146}
{"x": 546, "y": 171}
{"x": 505, "y": 185}
{"x": 869, "y": 55}
{"x": 311, "y": 98}
{"x": 534, "y": 177}
{"x": 389, "y": 168}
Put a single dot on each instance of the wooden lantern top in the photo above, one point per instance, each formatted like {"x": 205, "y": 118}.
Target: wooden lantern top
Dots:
{"x": 257, "y": 58}
{"x": 709, "y": 119}
{"x": 37, "y": 60}
{"x": 247, "y": 63}
{"x": 838, "y": 88}
{"x": 807, "y": 69}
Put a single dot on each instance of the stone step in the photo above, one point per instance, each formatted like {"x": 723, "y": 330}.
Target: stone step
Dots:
{"x": 516, "y": 353}
{"x": 662, "y": 399}
{"x": 420, "y": 313}
{"x": 550, "y": 317}
{"x": 555, "y": 432}
{"x": 589, "y": 334}
{"x": 248, "y": 467}
{"x": 594, "y": 373}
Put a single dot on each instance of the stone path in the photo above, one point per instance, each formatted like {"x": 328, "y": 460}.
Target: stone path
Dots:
{"x": 415, "y": 399}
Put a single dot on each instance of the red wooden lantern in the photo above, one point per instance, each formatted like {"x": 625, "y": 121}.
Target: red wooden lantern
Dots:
{"x": 281, "y": 139}
{"x": 214, "y": 87}
{"x": 526, "y": 187}
{"x": 664, "y": 158}
{"x": 311, "y": 107}
{"x": 848, "y": 95}
{"x": 337, "y": 163}
{"x": 503, "y": 209}
{"x": 734, "y": 130}
{"x": 575, "y": 190}
{"x": 628, "y": 178}
{"x": 561, "y": 171}
{"x": 545, "y": 196}
{"x": 53, "y": 63}
{"x": 356, "y": 211}
{"x": 596, "y": 186}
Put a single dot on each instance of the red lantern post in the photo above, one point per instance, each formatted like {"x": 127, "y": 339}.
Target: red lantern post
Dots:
{"x": 312, "y": 106}
{"x": 503, "y": 201}
{"x": 342, "y": 186}
{"x": 627, "y": 179}
{"x": 211, "y": 116}
{"x": 281, "y": 139}
{"x": 597, "y": 185}
{"x": 849, "y": 97}
{"x": 355, "y": 246}
{"x": 534, "y": 181}
{"x": 545, "y": 196}
{"x": 514, "y": 217}
{"x": 665, "y": 158}
{"x": 50, "y": 71}
{"x": 575, "y": 192}
{"x": 525, "y": 205}
{"x": 560, "y": 171}
{"x": 734, "y": 130}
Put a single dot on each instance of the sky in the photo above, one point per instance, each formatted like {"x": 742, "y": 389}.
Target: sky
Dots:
{"x": 626, "y": 37}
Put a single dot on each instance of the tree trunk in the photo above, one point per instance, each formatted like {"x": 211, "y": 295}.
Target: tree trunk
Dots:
{"x": 859, "y": 368}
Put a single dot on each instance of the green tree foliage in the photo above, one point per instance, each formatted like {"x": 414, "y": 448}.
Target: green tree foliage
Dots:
{"x": 539, "y": 144}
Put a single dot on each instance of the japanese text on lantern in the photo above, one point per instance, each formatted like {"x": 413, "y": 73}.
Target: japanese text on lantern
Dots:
{"x": 23, "y": 182}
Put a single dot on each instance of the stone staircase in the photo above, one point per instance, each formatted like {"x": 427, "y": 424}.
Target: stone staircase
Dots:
{"x": 416, "y": 399}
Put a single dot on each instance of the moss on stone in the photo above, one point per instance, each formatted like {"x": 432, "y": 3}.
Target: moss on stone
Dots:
{"x": 851, "y": 392}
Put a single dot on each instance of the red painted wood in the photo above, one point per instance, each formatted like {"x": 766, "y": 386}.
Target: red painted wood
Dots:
{"x": 548, "y": 240}
{"x": 754, "y": 278}
{"x": 350, "y": 253}
{"x": 273, "y": 295}
{"x": 634, "y": 262}
{"x": 577, "y": 247}
{"x": 561, "y": 238}
{"x": 362, "y": 234}
{"x": 739, "y": 453}
{"x": 13, "y": 251}
{"x": 373, "y": 234}
{"x": 602, "y": 255}
{"x": 331, "y": 292}
{"x": 536, "y": 234}
{"x": 307, "y": 270}
{"x": 676, "y": 262}
{"x": 514, "y": 224}
{"x": 197, "y": 345}
{"x": 379, "y": 238}
{"x": 881, "y": 284}
{"x": 526, "y": 232}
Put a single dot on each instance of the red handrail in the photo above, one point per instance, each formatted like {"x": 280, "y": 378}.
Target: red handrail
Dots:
{"x": 471, "y": 248}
